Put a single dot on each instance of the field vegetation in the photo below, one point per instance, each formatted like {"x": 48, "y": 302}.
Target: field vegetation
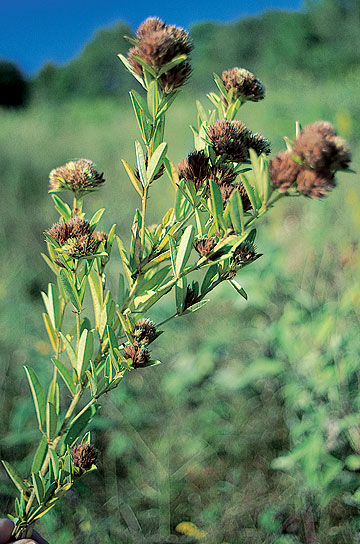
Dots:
{"x": 250, "y": 428}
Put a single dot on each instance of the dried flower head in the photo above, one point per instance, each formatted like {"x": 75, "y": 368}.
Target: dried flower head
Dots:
{"x": 320, "y": 148}
{"x": 137, "y": 353}
{"x": 100, "y": 236}
{"x": 258, "y": 143}
{"x": 194, "y": 168}
{"x": 205, "y": 245}
{"x": 222, "y": 174}
{"x": 145, "y": 331}
{"x": 191, "y": 297}
{"x": 244, "y": 84}
{"x": 83, "y": 456}
{"x": 315, "y": 184}
{"x": 151, "y": 24}
{"x": 245, "y": 253}
{"x": 229, "y": 139}
{"x": 74, "y": 237}
{"x": 283, "y": 171}
{"x": 79, "y": 176}
{"x": 158, "y": 45}
{"x": 227, "y": 191}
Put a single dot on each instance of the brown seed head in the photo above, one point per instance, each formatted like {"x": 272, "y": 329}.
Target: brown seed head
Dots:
{"x": 176, "y": 77}
{"x": 222, "y": 174}
{"x": 79, "y": 176}
{"x": 258, "y": 143}
{"x": 229, "y": 139}
{"x": 283, "y": 171}
{"x": 244, "y": 84}
{"x": 83, "y": 456}
{"x": 245, "y": 253}
{"x": 74, "y": 237}
{"x": 194, "y": 168}
{"x": 320, "y": 148}
{"x": 145, "y": 331}
{"x": 151, "y": 24}
{"x": 100, "y": 236}
{"x": 315, "y": 184}
{"x": 138, "y": 354}
{"x": 205, "y": 245}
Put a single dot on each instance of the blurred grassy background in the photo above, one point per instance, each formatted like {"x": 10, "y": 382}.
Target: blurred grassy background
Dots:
{"x": 192, "y": 439}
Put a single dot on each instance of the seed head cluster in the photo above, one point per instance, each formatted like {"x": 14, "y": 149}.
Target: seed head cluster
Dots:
{"x": 75, "y": 237}
{"x": 83, "y": 456}
{"x": 318, "y": 152}
{"x": 145, "y": 331}
{"x": 144, "y": 334}
{"x": 137, "y": 353}
{"x": 232, "y": 140}
{"x": 244, "y": 84}
{"x": 79, "y": 176}
{"x": 158, "y": 44}
{"x": 205, "y": 245}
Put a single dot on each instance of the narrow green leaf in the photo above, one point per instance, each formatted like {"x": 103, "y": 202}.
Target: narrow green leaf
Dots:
{"x": 15, "y": 478}
{"x": 140, "y": 160}
{"x": 220, "y": 84}
{"x": 61, "y": 206}
{"x": 66, "y": 376}
{"x": 38, "y": 487}
{"x": 202, "y": 112}
{"x": 54, "y": 462}
{"x": 132, "y": 177}
{"x": 209, "y": 278}
{"x": 85, "y": 351}
{"x": 68, "y": 285}
{"x": 50, "y": 330}
{"x": 237, "y": 212}
{"x": 70, "y": 351}
{"x": 174, "y": 62}
{"x": 250, "y": 190}
{"x": 142, "y": 116}
{"x": 153, "y": 98}
{"x": 156, "y": 161}
{"x": 39, "y": 455}
{"x": 180, "y": 294}
{"x": 124, "y": 260}
{"x": 173, "y": 254}
{"x": 79, "y": 424}
{"x": 96, "y": 218}
{"x": 238, "y": 288}
{"x": 130, "y": 69}
{"x": 195, "y": 307}
{"x": 216, "y": 205}
{"x": 37, "y": 394}
{"x": 184, "y": 249}
{"x": 51, "y": 420}
{"x": 97, "y": 295}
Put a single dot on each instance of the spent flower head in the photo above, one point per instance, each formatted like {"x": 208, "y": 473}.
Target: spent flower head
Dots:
{"x": 315, "y": 184}
{"x": 137, "y": 353}
{"x": 79, "y": 176}
{"x": 244, "y": 84}
{"x": 83, "y": 456}
{"x": 145, "y": 331}
{"x": 75, "y": 237}
{"x": 283, "y": 171}
{"x": 195, "y": 168}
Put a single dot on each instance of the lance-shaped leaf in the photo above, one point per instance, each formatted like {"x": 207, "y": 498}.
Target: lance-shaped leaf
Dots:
{"x": 209, "y": 278}
{"x": 180, "y": 294}
{"x": 61, "y": 206}
{"x": 237, "y": 212}
{"x": 69, "y": 350}
{"x": 153, "y": 98}
{"x": 125, "y": 260}
{"x": 220, "y": 84}
{"x": 216, "y": 205}
{"x": 39, "y": 487}
{"x": 156, "y": 161}
{"x": 40, "y": 455}
{"x": 174, "y": 62}
{"x": 184, "y": 249}
{"x": 238, "y": 288}
{"x": 96, "y": 218}
{"x": 140, "y": 160}
{"x": 142, "y": 115}
{"x": 136, "y": 183}
{"x": 250, "y": 190}
{"x": 51, "y": 332}
{"x": 85, "y": 351}
{"x": 79, "y": 424}
{"x": 130, "y": 69}
{"x": 54, "y": 462}
{"x": 52, "y": 305}
{"x": 38, "y": 395}
{"x": 195, "y": 307}
{"x": 68, "y": 285}
{"x": 96, "y": 291}
{"x": 51, "y": 420}
{"x": 15, "y": 478}
{"x": 173, "y": 253}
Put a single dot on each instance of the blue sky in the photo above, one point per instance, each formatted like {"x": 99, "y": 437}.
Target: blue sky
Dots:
{"x": 35, "y": 31}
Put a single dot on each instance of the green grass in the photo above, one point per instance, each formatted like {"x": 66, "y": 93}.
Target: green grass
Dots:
{"x": 192, "y": 439}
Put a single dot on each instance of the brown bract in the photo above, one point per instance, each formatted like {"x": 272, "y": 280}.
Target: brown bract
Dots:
{"x": 194, "y": 168}
{"x": 244, "y": 84}
{"x": 229, "y": 139}
{"x": 137, "y": 353}
{"x": 283, "y": 171}
{"x": 145, "y": 331}
{"x": 158, "y": 45}
{"x": 205, "y": 245}
{"x": 79, "y": 176}
{"x": 319, "y": 147}
{"x": 84, "y": 456}
{"x": 315, "y": 184}
{"x": 74, "y": 237}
